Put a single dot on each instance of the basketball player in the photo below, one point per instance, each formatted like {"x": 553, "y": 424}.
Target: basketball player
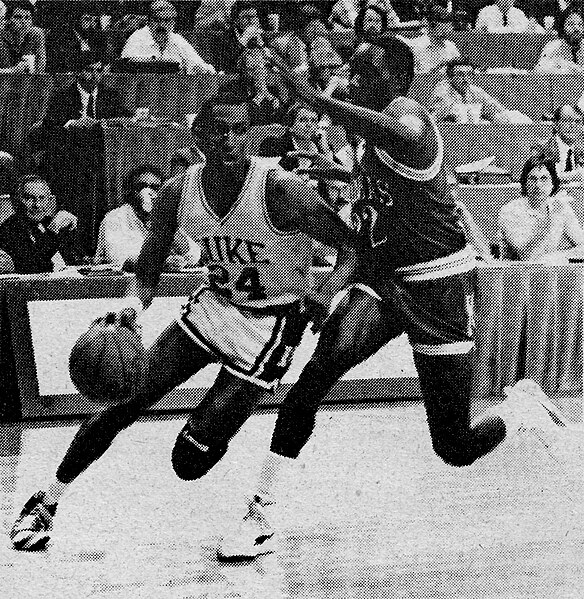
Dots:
{"x": 415, "y": 277}
{"x": 254, "y": 225}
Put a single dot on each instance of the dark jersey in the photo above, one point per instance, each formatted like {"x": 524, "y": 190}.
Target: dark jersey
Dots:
{"x": 407, "y": 216}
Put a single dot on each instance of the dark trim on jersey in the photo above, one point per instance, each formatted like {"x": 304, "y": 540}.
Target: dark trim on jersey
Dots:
{"x": 238, "y": 200}
{"x": 266, "y": 212}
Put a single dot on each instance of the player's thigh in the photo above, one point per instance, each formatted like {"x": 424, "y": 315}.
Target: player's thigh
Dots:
{"x": 171, "y": 360}
{"x": 360, "y": 325}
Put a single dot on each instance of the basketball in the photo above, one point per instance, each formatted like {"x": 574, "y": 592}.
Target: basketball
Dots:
{"x": 107, "y": 363}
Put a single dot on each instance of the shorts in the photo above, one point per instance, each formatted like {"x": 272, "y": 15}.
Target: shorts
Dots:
{"x": 437, "y": 314}
{"x": 256, "y": 344}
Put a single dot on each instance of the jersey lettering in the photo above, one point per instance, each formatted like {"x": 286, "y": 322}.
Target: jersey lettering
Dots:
{"x": 247, "y": 282}
{"x": 233, "y": 250}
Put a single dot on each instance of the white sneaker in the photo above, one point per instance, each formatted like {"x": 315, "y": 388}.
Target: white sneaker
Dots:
{"x": 253, "y": 536}
{"x": 527, "y": 408}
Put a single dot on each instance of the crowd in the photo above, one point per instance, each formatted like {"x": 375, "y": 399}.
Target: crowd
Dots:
{"x": 46, "y": 231}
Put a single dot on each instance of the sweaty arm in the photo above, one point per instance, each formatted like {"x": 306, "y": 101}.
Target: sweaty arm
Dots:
{"x": 158, "y": 242}
{"x": 294, "y": 206}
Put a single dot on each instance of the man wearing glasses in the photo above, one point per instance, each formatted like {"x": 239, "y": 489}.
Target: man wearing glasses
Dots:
{"x": 158, "y": 41}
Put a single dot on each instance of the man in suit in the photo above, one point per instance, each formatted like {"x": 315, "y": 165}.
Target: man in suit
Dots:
{"x": 73, "y": 143}
{"x": 19, "y": 39}
{"x": 38, "y": 237}
{"x": 565, "y": 147}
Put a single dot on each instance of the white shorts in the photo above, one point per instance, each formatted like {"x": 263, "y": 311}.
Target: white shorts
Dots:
{"x": 256, "y": 344}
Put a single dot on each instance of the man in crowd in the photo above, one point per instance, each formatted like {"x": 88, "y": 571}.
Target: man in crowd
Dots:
{"x": 158, "y": 41}
{"x": 564, "y": 55}
{"x": 502, "y": 17}
{"x": 564, "y": 148}
{"x": 38, "y": 237}
{"x": 532, "y": 226}
{"x": 456, "y": 98}
{"x": 434, "y": 50}
{"x": 22, "y": 46}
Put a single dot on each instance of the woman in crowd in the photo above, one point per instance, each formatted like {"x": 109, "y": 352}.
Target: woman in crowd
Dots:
{"x": 532, "y": 227}
{"x": 123, "y": 229}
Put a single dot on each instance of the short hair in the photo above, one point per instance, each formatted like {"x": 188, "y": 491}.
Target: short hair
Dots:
{"x": 360, "y": 19}
{"x": 25, "y": 180}
{"x": 573, "y": 8}
{"x": 241, "y": 5}
{"x": 133, "y": 175}
{"x": 292, "y": 113}
{"x": 14, "y": 5}
{"x": 558, "y": 111}
{"x": 159, "y": 5}
{"x": 229, "y": 94}
{"x": 539, "y": 161}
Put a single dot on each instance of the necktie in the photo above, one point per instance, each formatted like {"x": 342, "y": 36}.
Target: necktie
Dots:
{"x": 91, "y": 106}
{"x": 505, "y": 20}
{"x": 569, "y": 161}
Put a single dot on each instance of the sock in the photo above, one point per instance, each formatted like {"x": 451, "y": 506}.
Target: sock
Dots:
{"x": 273, "y": 471}
{"x": 55, "y": 491}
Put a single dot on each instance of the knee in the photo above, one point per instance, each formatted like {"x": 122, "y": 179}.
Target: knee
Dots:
{"x": 192, "y": 460}
{"x": 453, "y": 454}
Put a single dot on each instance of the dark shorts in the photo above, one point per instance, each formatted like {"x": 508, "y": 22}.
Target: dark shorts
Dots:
{"x": 436, "y": 314}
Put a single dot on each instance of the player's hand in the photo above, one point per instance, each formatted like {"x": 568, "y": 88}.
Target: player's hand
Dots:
{"x": 127, "y": 318}
{"x": 61, "y": 221}
{"x": 316, "y": 309}
{"x": 321, "y": 167}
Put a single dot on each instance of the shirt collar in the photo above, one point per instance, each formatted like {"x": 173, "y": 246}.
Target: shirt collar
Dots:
{"x": 563, "y": 147}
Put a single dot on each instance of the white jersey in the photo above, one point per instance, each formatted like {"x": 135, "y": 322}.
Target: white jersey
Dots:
{"x": 249, "y": 261}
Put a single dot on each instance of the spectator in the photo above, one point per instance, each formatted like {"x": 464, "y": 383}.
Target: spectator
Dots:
{"x": 502, "y": 17}
{"x": 456, "y": 98}
{"x": 545, "y": 12}
{"x": 158, "y": 41}
{"x": 327, "y": 72}
{"x": 37, "y": 237}
{"x": 564, "y": 148}
{"x": 185, "y": 157}
{"x": 70, "y": 41}
{"x": 371, "y": 20}
{"x": 123, "y": 230}
{"x": 565, "y": 54}
{"x": 346, "y": 12}
{"x": 532, "y": 226}
{"x": 434, "y": 50}
{"x": 22, "y": 46}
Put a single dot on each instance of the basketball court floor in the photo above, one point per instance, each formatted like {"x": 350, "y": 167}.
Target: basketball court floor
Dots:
{"x": 369, "y": 513}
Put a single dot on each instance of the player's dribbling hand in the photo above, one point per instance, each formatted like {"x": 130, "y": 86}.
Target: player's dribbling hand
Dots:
{"x": 127, "y": 318}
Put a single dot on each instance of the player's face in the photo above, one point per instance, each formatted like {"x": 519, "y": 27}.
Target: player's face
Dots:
{"x": 539, "y": 185}
{"x": 38, "y": 201}
{"x": 162, "y": 22}
{"x": 21, "y": 20}
{"x": 305, "y": 124}
{"x": 461, "y": 78}
{"x": 226, "y": 138}
{"x": 372, "y": 23}
{"x": 569, "y": 125}
{"x": 372, "y": 84}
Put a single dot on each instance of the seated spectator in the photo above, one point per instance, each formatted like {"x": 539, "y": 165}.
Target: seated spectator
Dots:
{"x": 68, "y": 42}
{"x": 345, "y": 13}
{"x": 434, "y": 50}
{"x": 244, "y": 31}
{"x": 564, "y": 55}
{"x": 38, "y": 237}
{"x": 502, "y": 17}
{"x": 456, "y": 98}
{"x": 328, "y": 73}
{"x": 22, "y": 46}
{"x": 545, "y": 12}
{"x": 565, "y": 148}
{"x": 123, "y": 230}
{"x": 533, "y": 226}
{"x": 158, "y": 41}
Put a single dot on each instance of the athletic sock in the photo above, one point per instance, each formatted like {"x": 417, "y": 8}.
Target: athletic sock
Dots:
{"x": 274, "y": 470}
{"x": 55, "y": 491}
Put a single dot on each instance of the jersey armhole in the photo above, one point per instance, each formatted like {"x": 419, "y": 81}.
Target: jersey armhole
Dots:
{"x": 266, "y": 211}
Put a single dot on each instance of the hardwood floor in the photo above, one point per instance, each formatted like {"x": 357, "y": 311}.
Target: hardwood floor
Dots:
{"x": 370, "y": 513}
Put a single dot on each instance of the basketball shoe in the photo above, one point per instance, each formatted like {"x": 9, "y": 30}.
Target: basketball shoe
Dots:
{"x": 31, "y": 531}
{"x": 253, "y": 536}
